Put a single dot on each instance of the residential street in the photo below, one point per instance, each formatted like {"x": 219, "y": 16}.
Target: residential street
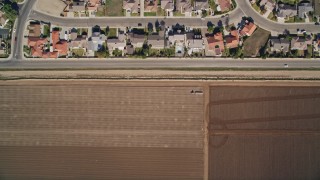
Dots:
{"x": 243, "y": 9}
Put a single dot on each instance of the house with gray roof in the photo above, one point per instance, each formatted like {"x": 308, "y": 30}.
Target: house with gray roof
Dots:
{"x": 304, "y": 8}
{"x": 279, "y": 45}
{"x": 4, "y": 33}
{"x": 131, "y": 6}
{"x": 316, "y": 4}
{"x": 156, "y": 41}
{"x": 268, "y": 4}
{"x": 184, "y": 6}
{"x": 286, "y": 10}
{"x": 77, "y": 6}
{"x": 117, "y": 43}
{"x": 300, "y": 43}
{"x": 95, "y": 42}
{"x": 137, "y": 40}
{"x": 201, "y": 5}
{"x": 167, "y": 6}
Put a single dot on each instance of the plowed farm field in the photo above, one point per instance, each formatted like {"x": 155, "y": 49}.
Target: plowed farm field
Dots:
{"x": 159, "y": 130}
{"x": 264, "y": 132}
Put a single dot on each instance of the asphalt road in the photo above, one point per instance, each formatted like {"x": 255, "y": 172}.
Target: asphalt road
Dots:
{"x": 133, "y": 21}
{"x": 243, "y": 8}
{"x": 246, "y": 8}
{"x": 156, "y": 63}
{"x": 23, "y": 17}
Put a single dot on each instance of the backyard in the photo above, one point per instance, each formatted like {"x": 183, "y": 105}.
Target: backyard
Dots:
{"x": 254, "y": 43}
{"x": 113, "y": 8}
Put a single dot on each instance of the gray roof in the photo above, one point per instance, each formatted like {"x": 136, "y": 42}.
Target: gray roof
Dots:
{"x": 303, "y": 8}
{"x": 4, "y": 33}
{"x": 167, "y": 4}
{"x": 286, "y": 10}
{"x": 196, "y": 43}
{"x": 201, "y": 4}
{"x": 300, "y": 43}
{"x": 136, "y": 38}
{"x": 268, "y": 4}
{"x": 278, "y": 44}
{"x": 156, "y": 41}
{"x": 317, "y": 7}
{"x": 184, "y": 5}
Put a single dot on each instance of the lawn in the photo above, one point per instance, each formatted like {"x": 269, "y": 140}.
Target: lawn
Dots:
{"x": 78, "y": 52}
{"x": 114, "y": 8}
{"x": 256, "y": 7}
{"x": 254, "y": 43}
{"x": 177, "y": 13}
{"x": 46, "y": 30}
{"x": 112, "y": 32}
{"x": 150, "y": 14}
{"x": 293, "y": 2}
{"x": 272, "y": 17}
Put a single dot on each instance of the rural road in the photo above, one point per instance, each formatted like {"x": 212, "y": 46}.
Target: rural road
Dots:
{"x": 155, "y": 63}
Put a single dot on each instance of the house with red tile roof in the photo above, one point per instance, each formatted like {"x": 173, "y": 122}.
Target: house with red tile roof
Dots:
{"x": 59, "y": 46}
{"x": 224, "y": 5}
{"x": 93, "y": 5}
{"x": 216, "y": 44}
{"x": 37, "y": 46}
{"x": 232, "y": 40}
{"x": 248, "y": 29}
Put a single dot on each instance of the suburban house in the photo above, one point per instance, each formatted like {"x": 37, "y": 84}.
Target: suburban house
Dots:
{"x": 38, "y": 46}
{"x": 156, "y": 41}
{"x": 3, "y": 19}
{"x": 304, "y": 8}
{"x": 4, "y": 34}
{"x": 59, "y": 47}
{"x": 248, "y": 29}
{"x": 77, "y": 41}
{"x": 200, "y": 5}
{"x": 194, "y": 43}
{"x": 216, "y": 44}
{"x": 77, "y": 6}
{"x": 150, "y": 5}
{"x": 177, "y": 38}
{"x": 93, "y": 5}
{"x": 224, "y": 5}
{"x": 95, "y": 42}
{"x": 316, "y": 44}
{"x": 131, "y": 6}
{"x": 117, "y": 43}
{"x": 184, "y": 6}
{"x": 316, "y": 4}
{"x": 137, "y": 40}
{"x": 278, "y": 45}
{"x": 286, "y": 10}
{"x": 129, "y": 50}
{"x": 232, "y": 40}
{"x": 168, "y": 7}
{"x": 34, "y": 29}
{"x": 300, "y": 43}
{"x": 268, "y": 4}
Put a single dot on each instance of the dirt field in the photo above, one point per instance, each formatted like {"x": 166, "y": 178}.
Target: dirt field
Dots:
{"x": 141, "y": 121}
{"x": 269, "y": 132}
{"x": 52, "y": 7}
{"x": 97, "y": 129}
{"x": 255, "y": 42}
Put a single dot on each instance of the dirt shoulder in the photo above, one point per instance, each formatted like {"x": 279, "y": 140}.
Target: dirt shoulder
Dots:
{"x": 161, "y": 74}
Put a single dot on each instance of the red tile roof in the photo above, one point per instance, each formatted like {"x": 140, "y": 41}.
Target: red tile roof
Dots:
{"x": 37, "y": 46}
{"x": 248, "y": 29}
{"x": 62, "y": 48}
{"x": 55, "y": 38}
{"x": 216, "y": 42}
{"x": 232, "y": 41}
{"x": 225, "y": 5}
